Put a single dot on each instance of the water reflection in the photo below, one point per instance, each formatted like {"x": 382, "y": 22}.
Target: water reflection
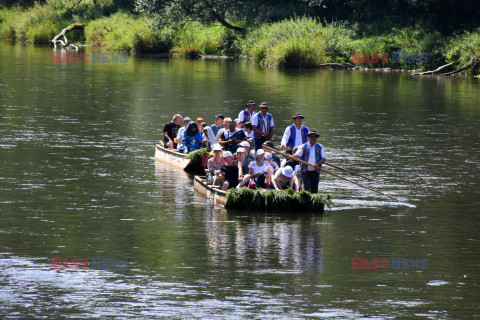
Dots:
{"x": 173, "y": 184}
{"x": 264, "y": 241}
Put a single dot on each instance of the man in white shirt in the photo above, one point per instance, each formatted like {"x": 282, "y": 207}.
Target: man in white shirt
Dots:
{"x": 296, "y": 134}
{"x": 262, "y": 123}
{"x": 313, "y": 153}
{"x": 246, "y": 115}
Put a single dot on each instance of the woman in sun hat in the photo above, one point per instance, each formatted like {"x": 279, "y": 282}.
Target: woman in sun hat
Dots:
{"x": 214, "y": 164}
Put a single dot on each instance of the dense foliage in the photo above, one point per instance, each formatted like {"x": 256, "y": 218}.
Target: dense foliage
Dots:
{"x": 295, "y": 33}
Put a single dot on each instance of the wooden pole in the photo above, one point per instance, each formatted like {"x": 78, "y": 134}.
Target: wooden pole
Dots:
{"x": 354, "y": 173}
{"x": 332, "y": 165}
{"x": 333, "y": 174}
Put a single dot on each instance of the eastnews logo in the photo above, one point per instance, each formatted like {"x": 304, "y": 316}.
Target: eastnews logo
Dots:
{"x": 397, "y": 263}
{"x": 384, "y": 57}
{"x": 83, "y": 57}
{"x": 92, "y": 263}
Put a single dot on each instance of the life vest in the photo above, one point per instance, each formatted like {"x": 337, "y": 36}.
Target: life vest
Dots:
{"x": 306, "y": 155}
{"x": 293, "y": 132}
{"x": 260, "y": 123}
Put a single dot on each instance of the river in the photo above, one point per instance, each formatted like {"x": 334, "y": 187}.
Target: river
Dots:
{"x": 78, "y": 181}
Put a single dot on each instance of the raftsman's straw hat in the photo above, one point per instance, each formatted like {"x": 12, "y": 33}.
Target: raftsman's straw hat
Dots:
{"x": 313, "y": 132}
{"x": 287, "y": 172}
{"x": 264, "y": 105}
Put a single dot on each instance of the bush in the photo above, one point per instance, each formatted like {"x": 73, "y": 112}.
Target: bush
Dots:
{"x": 464, "y": 51}
{"x": 299, "y": 42}
{"x": 407, "y": 40}
{"x": 194, "y": 39}
{"x": 124, "y": 32}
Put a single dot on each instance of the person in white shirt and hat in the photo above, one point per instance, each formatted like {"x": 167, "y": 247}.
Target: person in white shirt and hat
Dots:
{"x": 296, "y": 134}
{"x": 283, "y": 178}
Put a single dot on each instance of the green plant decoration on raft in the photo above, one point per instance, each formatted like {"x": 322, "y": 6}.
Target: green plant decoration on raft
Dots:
{"x": 197, "y": 155}
{"x": 274, "y": 200}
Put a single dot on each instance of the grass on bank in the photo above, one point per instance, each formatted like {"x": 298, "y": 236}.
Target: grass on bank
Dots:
{"x": 128, "y": 33}
{"x": 193, "y": 39}
{"x": 300, "y": 42}
{"x": 38, "y": 24}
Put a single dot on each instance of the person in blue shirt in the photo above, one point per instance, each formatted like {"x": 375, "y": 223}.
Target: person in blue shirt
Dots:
{"x": 218, "y": 123}
{"x": 192, "y": 139}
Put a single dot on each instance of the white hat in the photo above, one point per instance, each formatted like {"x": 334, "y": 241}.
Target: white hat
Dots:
{"x": 244, "y": 144}
{"x": 268, "y": 155}
{"x": 287, "y": 172}
{"x": 241, "y": 150}
{"x": 217, "y": 148}
{"x": 227, "y": 154}
{"x": 260, "y": 151}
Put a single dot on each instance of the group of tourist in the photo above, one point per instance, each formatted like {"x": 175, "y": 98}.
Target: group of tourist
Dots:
{"x": 232, "y": 165}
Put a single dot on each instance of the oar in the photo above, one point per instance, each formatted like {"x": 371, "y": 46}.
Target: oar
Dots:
{"x": 346, "y": 170}
{"x": 333, "y": 174}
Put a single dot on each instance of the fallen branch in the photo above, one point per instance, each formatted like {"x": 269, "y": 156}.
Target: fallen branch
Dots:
{"x": 456, "y": 71}
{"x": 338, "y": 65}
{"x": 63, "y": 33}
{"x": 433, "y": 71}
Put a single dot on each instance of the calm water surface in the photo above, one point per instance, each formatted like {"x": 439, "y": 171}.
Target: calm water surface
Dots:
{"x": 78, "y": 180}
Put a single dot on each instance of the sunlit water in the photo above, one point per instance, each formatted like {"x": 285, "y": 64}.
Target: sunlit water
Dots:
{"x": 78, "y": 180}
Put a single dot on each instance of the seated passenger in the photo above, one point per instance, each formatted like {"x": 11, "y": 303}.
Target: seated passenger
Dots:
{"x": 283, "y": 178}
{"x": 259, "y": 173}
{"x": 245, "y": 145}
{"x": 230, "y": 171}
{"x": 170, "y": 132}
{"x": 181, "y": 131}
{"x": 192, "y": 139}
{"x": 248, "y": 128}
{"x": 274, "y": 166}
{"x": 242, "y": 163}
{"x": 214, "y": 164}
{"x": 230, "y": 138}
{"x": 208, "y": 137}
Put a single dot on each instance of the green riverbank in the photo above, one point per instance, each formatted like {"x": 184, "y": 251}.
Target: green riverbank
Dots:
{"x": 298, "y": 42}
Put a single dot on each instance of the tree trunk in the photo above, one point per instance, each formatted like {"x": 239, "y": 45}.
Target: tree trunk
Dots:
{"x": 224, "y": 23}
